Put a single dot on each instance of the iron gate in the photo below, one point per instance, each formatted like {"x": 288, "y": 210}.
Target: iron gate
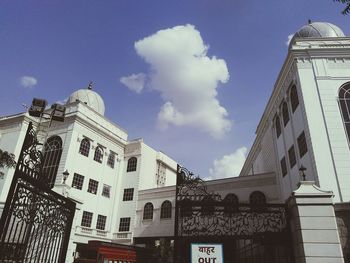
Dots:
{"x": 250, "y": 233}
{"x": 36, "y": 222}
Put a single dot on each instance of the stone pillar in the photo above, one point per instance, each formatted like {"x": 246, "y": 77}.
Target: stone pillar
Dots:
{"x": 314, "y": 226}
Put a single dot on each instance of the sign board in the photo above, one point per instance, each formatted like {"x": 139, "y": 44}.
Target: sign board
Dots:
{"x": 206, "y": 253}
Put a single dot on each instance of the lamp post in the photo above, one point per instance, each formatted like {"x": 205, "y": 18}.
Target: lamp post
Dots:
{"x": 302, "y": 170}
{"x": 65, "y": 176}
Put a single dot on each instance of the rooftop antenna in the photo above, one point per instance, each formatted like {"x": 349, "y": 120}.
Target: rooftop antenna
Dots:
{"x": 90, "y": 86}
{"x": 309, "y": 21}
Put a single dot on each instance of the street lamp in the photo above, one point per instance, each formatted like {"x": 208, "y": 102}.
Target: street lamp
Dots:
{"x": 65, "y": 176}
{"x": 302, "y": 170}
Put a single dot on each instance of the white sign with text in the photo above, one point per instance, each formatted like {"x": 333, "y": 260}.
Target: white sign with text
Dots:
{"x": 206, "y": 253}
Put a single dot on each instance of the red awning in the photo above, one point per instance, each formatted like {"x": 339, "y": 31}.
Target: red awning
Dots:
{"x": 117, "y": 253}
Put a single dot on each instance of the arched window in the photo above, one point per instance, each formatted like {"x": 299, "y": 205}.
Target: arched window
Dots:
{"x": 278, "y": 126}
{"x": 294, "y": 100}
{"x": 132, "y": 163}
{"x": 344, "y": 101}
{"x": 257, "y": 199}
{"x": 84, "y": 147}
{"x": 285, "y": 113}
{"x": 207, "y": 206}
{"x": 98, "y": 154}
{"x": 231, "y": 203}
{"x": 148, "y": 211}
{"x": 51, "y": 160}
{"x": 165, "y": 210}
{"x": 111, "y": 159}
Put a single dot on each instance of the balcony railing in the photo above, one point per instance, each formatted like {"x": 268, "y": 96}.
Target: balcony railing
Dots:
{"x": 93, "y": 232}
{"x": 122, "y": 235}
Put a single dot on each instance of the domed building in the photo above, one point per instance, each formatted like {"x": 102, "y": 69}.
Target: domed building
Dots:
{"x": 89, "y": 98}
{"x": 317, "y": 30}
{"x": 125, "y": 191}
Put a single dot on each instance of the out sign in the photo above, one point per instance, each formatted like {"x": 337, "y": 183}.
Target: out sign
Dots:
{"x": 206, "y": 253}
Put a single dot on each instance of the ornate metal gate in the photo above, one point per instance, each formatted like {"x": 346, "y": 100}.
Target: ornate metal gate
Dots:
{"x": 36, "y": 222}
{"x": 248, "y": 232}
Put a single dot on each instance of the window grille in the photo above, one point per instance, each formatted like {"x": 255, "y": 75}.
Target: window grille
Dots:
{"x": 93, "y": 185}
{"x": 128, "y": 194}
{"x": 207, "y": 206}
{"x": 302, "y": 144}
{"x": 148, "y": 211}
{"x": 101, "y": 222}
{"x": 161, "y": 174}
{"x": 84, "y": 147}
{"x": 278, "y": 127}
{"x": 292, "y": 158}
{"x": 52, "y": 157}
{"x": 257, "y": 198}
{"x": 106, "y": 191}
{"x": 78, "y": 181}
{"x": 86, "y": 219}
{"x": 294, "y": 100}
{"x": 285, "y": 113}
{"x": 132, "y": 164}
{"x": 186, "y": 208}
{"x": 231, "y": 203}
{"x": 111, "y": 159}
{"x": 124, "y": 224}
{"x": 344, "y": 101}
{"x": 165, "y": 210}
{"x": 98, "y": 154}
{"x": 283, "y": 166}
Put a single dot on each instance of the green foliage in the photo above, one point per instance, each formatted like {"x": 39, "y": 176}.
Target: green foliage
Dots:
{"x": 346, "y": 10}
{"x": 6, "y": 160}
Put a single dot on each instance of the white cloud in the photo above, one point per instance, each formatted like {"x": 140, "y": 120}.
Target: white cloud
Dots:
{"x": 28, "y": 81}
{"x": 289, "y": 39}
{"x": 229, "y": 165}
{"x": 186, "y": 78}
{"x": 135, "y": 82}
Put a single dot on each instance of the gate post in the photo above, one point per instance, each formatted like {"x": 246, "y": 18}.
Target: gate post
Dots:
{"x": 314, "y": 226}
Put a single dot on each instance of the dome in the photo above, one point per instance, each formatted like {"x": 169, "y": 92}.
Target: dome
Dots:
{"x": 318, "y": 30}
{"x": 90, "y": 98}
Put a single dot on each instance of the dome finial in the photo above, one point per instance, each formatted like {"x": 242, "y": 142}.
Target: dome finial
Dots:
{"x": 90, "y": 85}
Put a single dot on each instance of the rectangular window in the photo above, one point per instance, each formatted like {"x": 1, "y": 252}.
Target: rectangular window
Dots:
{"x": 78, "y": 181}
{"x": 101, "y": 222}
{"x": 106, "y": 191}
{"x": 124, "y": 224}
{"x": 86, "y": 219}
{"x": 128, "y": 194}
{"x": 302, "y": 144}
{"x": 292, "y": 158}
{"x": 283, "y": 166}
{"x": 93, "y": 185}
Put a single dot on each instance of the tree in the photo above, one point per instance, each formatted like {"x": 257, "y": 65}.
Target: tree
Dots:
{"x": 6, "y": 160}
{"x": 346, "y": 10}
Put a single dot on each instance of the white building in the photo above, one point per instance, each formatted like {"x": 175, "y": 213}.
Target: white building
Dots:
{"x": 106, "y": 170}
{"x": 126, "y": 189}
{"x": 306, "y": 123}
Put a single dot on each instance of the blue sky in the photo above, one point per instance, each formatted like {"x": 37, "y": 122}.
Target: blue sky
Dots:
{"x": 62, "y": 45}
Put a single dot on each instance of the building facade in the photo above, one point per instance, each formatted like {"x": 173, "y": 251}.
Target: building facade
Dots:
{"x": 125, "y": 190}
{"x": 106, "y": 170}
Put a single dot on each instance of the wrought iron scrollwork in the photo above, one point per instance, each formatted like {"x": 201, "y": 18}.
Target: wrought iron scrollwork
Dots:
{"x": 31, "y": 157}
{"x": 36, "y": 222}
{"x": 204, "y": 213}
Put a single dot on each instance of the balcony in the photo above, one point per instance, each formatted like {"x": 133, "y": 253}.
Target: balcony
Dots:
{"x": 96, "y": 233}
{"x": 122, "y": 235}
